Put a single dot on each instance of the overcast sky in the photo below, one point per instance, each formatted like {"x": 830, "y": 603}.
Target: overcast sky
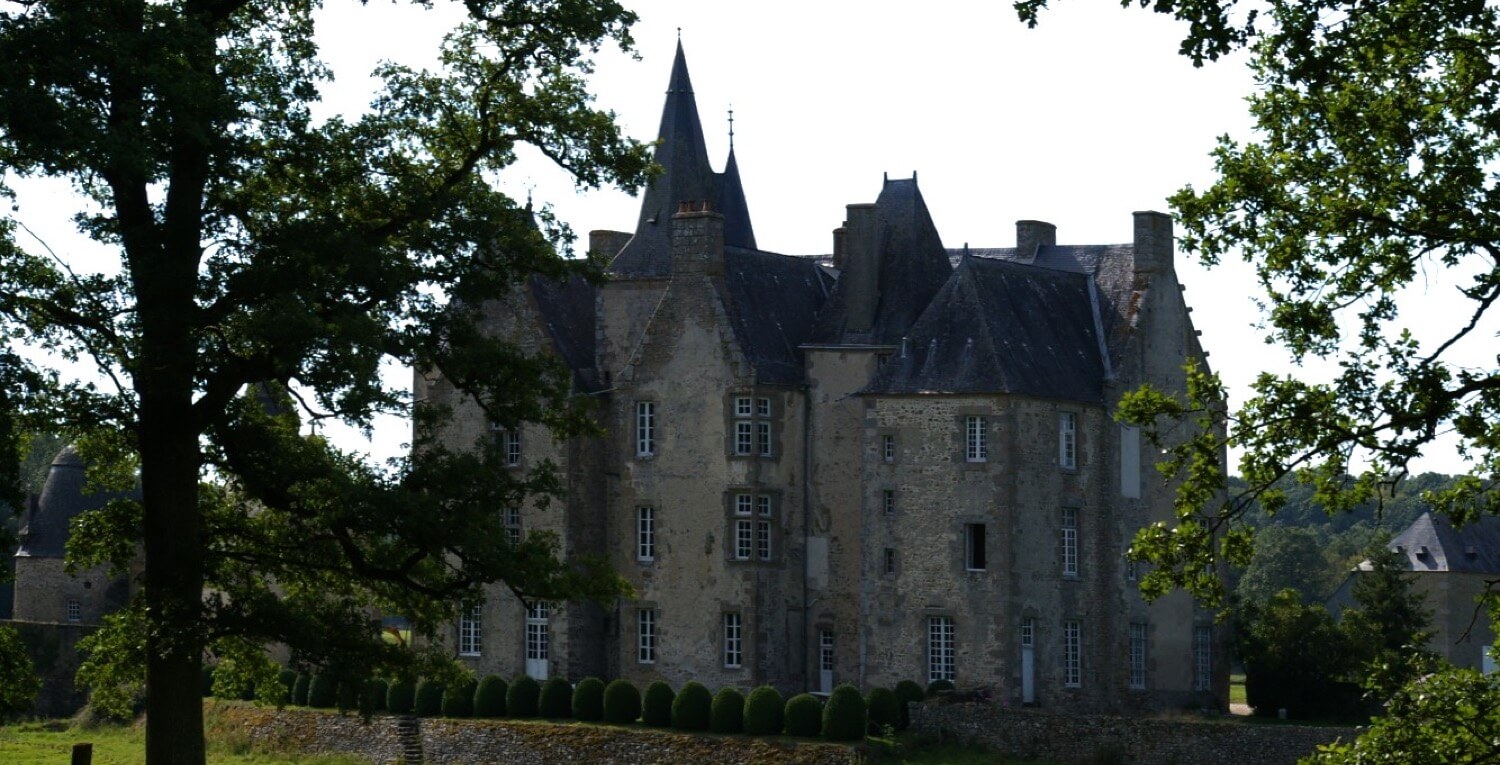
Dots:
{"x": 1079, "y": 122}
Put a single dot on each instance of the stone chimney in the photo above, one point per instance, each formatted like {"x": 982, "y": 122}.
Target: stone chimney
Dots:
{"x": 1153, "y": 243}
{"x": 838, "y": 246}
{"x": 1031, "y": 234}
{"x": 697, "y": 240}
{"x": 861, "y": 275}
{"x": 607, "y": 244}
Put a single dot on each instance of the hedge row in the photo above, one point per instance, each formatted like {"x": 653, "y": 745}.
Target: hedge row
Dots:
{"x": 847, "y": 716}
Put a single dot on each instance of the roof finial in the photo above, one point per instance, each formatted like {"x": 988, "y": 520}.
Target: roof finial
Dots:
{"x": 679, "y": 34}
{"x": 731, "y": 127}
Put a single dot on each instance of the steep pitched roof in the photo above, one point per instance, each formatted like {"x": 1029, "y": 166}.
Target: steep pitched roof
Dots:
{"x": 913, "y": 266}
{"x": 62, "y": 499}
{"x": 1431, "y": 543}
{"x": 567, "y": 311}
{"x": 1003, "y": 327}
{"x": 772, "y": 300}
{"x": 731, "y": 204}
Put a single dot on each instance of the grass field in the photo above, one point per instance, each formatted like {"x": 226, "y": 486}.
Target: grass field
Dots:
{"x": 1237, "y": 689}
{"x": 51, "y": 743}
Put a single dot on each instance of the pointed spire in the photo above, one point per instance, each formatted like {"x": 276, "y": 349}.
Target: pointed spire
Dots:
{"x": 731, "y": 203}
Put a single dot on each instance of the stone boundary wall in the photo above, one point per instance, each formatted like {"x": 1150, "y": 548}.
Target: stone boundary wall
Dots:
{"x": 510, "y": 741}
{"x": 1028, "y": 733}
{"x": 53, "y": 649}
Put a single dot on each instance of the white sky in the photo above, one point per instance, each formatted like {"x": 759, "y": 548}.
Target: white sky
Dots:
{"x": 1079, "y": 122}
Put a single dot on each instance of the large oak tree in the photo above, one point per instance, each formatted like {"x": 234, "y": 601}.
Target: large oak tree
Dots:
{"x": 269, "y": 263}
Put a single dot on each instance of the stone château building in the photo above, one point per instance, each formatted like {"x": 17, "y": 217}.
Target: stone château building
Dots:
{"x": 896, "y": 463}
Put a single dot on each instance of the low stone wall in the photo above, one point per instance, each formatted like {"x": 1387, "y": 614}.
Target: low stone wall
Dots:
{"x": 1028, "y": 733}
{"x": 53, "y": 649}
{"x": 511, "y": 741}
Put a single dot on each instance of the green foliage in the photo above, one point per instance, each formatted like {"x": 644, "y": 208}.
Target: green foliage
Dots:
{"x": 1287, "y": 558}
{"x": 763, "y": 711}
{"x": 556, "y": 699}
{"x": 907, "y": 692}
{"x": 938, "y": 686}
{"x": 1296, "y": 658}
{"x": 19, "y": 688}
{"x": 522, "y": 696}
{"x": 727, "y": 713}
{"x": 844, "y": 715}
{"x": 588, "y": 700}
{"x": 429, "y": 700}
{"x": 322, "y": 691}
{"x": 207, "y": 681}
{"x": 372, "y": 696}
{"x": 622, "y": 702}
{"x": 458, "y": 699}
{"x": 1388, "y": 627}
{"x": 287, "y": 679}
{"x": 489, "y": 697}
{"x": 656, "y": 707}
{"x": 884, "y": 709}
{"x": 690, "y": 710}
{"x": 803, "y": 715}
{"x": 346, "y": 694}
{"x": 401, "y": 698}
{"x": 301, "y": 689}
{"x": 1451, "y": 717}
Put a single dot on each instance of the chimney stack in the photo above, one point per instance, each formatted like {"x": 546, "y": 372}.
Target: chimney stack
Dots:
{"x": 1032, "y": 234}
{"x": 1153, "y": 243}
{"x": 861, "y": 275}
{"x": 697, "y": 240}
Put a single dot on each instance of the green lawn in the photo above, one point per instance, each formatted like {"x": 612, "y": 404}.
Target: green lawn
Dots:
{"x": 51, "y": 743}
{"x": 1237, "y": 689}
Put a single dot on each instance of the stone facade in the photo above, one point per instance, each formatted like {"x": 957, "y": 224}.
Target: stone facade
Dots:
{"x": 897, "y": 462}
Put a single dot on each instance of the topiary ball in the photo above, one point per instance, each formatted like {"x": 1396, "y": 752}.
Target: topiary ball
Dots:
{"x": 346, "y": 694}
{"x": 727, "y": 714}
{"x": 489, "y": 697}
{"x": 938, "y": 686}
{"x": 521, "y": 698}
{"x": 458, "y": 701}
{"x": 300, "y": 688}
{"x": 656, "y": 707}
{"x": 372, "y": 696}
{"x": 844, "y": 715}
{"x": 400, "y": 699}
{"x": 763, "y": 712}
{"x": 803, "y": 715}
{"x": 907, "y": 692}
{"x": 429, "y": 701}
{"x": 322, "y": 691}
{"x": 690, "y": 710}
{"x": 884, "y": 709}
{"x": 588, "y": 700}
{"x": 556, "y": 700}
{"x": 622, "y": 702}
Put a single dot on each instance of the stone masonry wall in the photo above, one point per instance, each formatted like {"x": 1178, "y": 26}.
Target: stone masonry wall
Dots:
{"x": 1079, "y": 738}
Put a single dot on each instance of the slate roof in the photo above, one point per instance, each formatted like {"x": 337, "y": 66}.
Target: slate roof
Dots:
{"x": 567, "y": 310}
{"x": 62, "y": 499}
{"x": 732, "y": 205}
{"x": 1431, "y": 543}
{"x": 913, "y": 267}
{"x": 1002, "y": 327}
{"x": 772, "y": 301}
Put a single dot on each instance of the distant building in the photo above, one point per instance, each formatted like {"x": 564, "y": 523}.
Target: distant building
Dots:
{"x": 1451, "y": 568}
{"x": 895, "y": 462}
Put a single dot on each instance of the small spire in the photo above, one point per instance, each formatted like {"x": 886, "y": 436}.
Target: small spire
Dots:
{"x": 731, "y": 127}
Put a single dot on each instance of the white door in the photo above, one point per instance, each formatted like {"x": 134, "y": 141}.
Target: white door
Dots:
{"x": 825, "y": 661}
{"x": 537, "y": 638}
{"x": 1028, "y": 661}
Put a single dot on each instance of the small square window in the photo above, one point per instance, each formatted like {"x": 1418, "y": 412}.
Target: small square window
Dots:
{"x": 743, "y": 504}
{"x": 763, "y": 407}
{"x": 743, "y": 406}
{"x": 75, "y": 610}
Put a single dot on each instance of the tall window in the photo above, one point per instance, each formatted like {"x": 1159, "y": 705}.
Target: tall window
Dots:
{"x": 888, "y": 447}
{"x": 888, "y": 501}
{"x": 753, "y": 527}
{"x": 825, "y": 650}
{"x": 645, "y": 636}
{"x": 1137, "y": 655}
{"x": 889, "y": 561}
{"x": 645, "y": 534}
{"x": 974, "y": 546}
{"x": 645, "y": 428}
{"x": 1072, "y": 655}
{"x": 734, "y": 647}
{"x": 537, "y": 631}
{"x": 1070, "y": 541}
{"x": 752, "y": 426}
{"x": 976, "y": 439}
{"x": 510, "y": 444}
{"x": 75, "y": 610}
{"x": 1203, "y": 641}
{"x": 940, "y": 648}
{"x": 513, "y": 524}
{"x": 1067, "y": 440}
{"x": 744, "y": 526}
{"x": 763, "y": 527}
{"x": 469, "y": 630}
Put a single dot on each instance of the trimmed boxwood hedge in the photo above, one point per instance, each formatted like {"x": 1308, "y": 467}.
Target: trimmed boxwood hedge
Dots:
{"x": 803, "y": 715}
{"x": 588, "y": 700}
{"x": 401, "y": 697}
{"x": 690, "y": 710}
{"x": 429, "y": 701}
{"x": 763, "y": 712}
{"x": 844, "y": 715}
{"x": 884, "y": 709}
{"x": 299, "y": 689}
{"x": 656, "y": 707}
{"x": 322, "y": 691}
{"x": 346, "y": 694}
{"x": 937, "y": 686}
{"x": 372, "y": 696}
{"x": 622, "y": 702}
{"x": 728, "y": 712}
{"x": 521, "y": 698}
{"x": 489, "y": 697}
{"x": 907, "y": 691}
{"x": 458, "y": 701}
{"x": 288, "y": 680}
{"x": 556, "y": 700}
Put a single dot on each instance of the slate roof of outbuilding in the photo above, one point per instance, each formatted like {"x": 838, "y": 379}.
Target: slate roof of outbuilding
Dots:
{"x": 1431, "y": 543}
{"x": 62, "y": 499}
